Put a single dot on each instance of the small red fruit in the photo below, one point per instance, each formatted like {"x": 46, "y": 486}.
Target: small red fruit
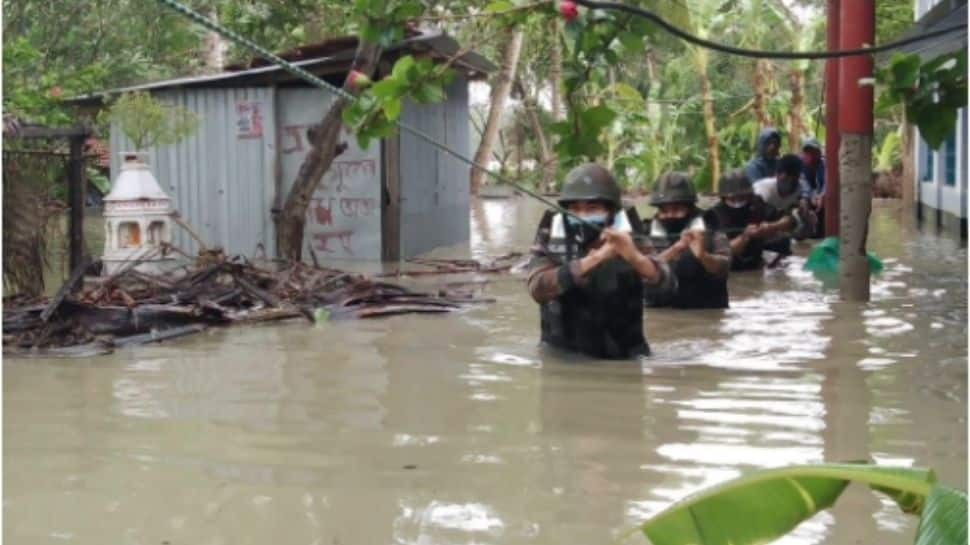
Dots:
{"x": 357, "y": 80}
{"x": 54, "y": 92}
{"x": 568, "y": 10}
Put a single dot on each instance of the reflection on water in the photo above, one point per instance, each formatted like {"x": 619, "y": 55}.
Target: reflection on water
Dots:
{"x": 460, "y": 429}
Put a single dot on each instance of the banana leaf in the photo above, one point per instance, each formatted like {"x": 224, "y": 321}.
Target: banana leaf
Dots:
{"x": 764, "y": 506}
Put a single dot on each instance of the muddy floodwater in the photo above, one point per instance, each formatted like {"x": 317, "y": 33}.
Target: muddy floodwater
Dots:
{"x": 461, "y": 429}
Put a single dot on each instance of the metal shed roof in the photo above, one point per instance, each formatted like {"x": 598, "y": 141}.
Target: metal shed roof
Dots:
{"x": 943, "y": 15}
{"x": 437, "y": 44}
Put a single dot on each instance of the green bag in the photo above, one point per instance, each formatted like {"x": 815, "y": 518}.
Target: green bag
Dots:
{"x": 824, "y": 258}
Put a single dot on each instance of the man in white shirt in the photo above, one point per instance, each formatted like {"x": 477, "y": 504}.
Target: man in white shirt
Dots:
{"x": 782, "y": 189}
{"x": 783, "y": 192}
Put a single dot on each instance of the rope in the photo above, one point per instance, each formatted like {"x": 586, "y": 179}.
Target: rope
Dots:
{"x": 761, "y": 54}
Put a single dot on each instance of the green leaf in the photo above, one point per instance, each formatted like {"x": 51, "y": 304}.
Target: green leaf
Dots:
{"x": 390, "y": 87}
{"x": 499, "y": 5}
{"x": 408, "y": 10}
{"x": 626, "y": 92}
{"x": 905, "y": 69}
{"x": 392, "y": 109}
{"x": 401, "y": 67}
{"x": 363, "y": 140}
{"x": 935, "y": 125}
{"x": 944, "y": 519}
{"x": 631, "y": 41}
{"x": 766, "y": 505}
{"x": 429, "y": 92}
{"x": 595, "y": 118}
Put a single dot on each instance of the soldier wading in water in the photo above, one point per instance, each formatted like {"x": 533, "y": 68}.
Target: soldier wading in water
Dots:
{"x": 589, "y": 282}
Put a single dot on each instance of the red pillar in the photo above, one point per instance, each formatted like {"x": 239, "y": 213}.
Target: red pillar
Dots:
{"x": 855, "y": 101}
{"x": 832, "y": 122}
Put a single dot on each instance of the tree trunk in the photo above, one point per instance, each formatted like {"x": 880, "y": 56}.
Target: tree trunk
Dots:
{"x": 759, "y": 95}
{"x": 795, "y": 114}
{"x": 555, "y": 71}
{"x": 500, "y": 93}
{"x": 855, "y": 177}
{"x": 292, "y": 218}
{"x": 700, "y": 63}
{"x": 213, "y": 48}
{"x": 547, "y": 159}
{"x": 909, "y": 166}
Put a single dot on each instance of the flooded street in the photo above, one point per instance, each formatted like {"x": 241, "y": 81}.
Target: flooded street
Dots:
{"x": 460, "y": 429}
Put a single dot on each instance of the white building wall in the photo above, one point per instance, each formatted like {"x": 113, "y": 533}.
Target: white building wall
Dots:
{"x": 932, "y": 188}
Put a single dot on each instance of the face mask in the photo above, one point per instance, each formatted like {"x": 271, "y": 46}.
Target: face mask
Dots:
{"x": 674, "y": 226}
{"x": 585, "y": 234}
{"x": 736, "y": 205}
{"x": 595, "y": 219}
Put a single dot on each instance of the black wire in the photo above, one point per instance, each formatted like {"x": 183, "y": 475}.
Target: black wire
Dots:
{"x": 761, "y": 54}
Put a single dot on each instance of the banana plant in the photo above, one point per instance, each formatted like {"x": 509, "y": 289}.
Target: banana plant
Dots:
{"x": 765, "y": 505}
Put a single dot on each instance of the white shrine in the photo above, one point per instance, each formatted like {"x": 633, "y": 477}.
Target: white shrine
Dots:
{"x": 137, "y": 219}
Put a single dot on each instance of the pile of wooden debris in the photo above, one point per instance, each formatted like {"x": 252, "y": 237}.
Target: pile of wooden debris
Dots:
{"x": 132, "y": 307}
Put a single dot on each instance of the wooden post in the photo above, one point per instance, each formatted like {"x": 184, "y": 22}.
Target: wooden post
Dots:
{"x": 831, "y": 198}
{"x": 391, "y": 199}
{"x": 75, "y": 196}
{"x": 855, "y": 150}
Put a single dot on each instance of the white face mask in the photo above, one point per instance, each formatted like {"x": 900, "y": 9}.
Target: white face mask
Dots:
{"x": 736, "y": 205}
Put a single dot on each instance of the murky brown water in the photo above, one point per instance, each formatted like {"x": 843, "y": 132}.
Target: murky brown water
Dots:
{"x": 459, "y": 429}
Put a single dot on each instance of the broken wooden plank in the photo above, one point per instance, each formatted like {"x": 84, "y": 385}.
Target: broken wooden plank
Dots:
{"x": 252, "y": 290}
{"x": 65, "y": 289}
{"x": 156, "y": 335}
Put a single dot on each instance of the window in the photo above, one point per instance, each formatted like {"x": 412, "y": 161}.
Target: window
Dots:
{"x": 926, "y": 157}
{"x": 950, "y": 159}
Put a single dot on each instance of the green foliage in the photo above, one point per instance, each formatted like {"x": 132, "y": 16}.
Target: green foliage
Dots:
{"x": 889, "y": 153}
{"x": 148, "y": 122}
{"x": 932, "y": 92}
{"x": 98, "y": 180}
{"x": 375, "y": 111}
{"x": 57, "y": 49}
{"x": 382, "y": 21}
{"x": 765, "y": 505}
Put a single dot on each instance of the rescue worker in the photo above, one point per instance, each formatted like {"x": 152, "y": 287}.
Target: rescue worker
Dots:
{"x": 765, "y": 161}
{"x": 589, "y": 282}
{"x": 781, "y": 191}
{"x": 699, "y": 257}
{"x": 746, "y": 219}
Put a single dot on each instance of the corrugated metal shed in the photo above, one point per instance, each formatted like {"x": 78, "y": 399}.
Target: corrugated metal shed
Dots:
{"x": 399, "y": 198}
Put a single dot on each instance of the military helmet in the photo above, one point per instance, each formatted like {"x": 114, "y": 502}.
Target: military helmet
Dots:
{"x": 734, "y": 184}
{"x": 590, "y": 182}
{"x": 673, "y": 187}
